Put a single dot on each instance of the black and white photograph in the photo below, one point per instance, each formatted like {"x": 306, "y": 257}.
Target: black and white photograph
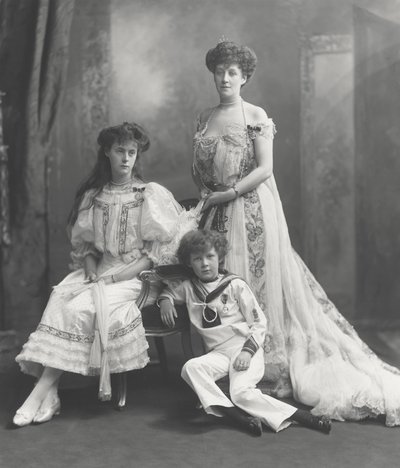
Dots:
{"x": 199, "y": 233}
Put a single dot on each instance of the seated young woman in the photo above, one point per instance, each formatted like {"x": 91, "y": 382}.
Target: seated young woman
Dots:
{"x": 119, "y": 226}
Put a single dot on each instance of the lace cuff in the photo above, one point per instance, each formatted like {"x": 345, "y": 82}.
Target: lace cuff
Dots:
{"x": 80, "y": 252}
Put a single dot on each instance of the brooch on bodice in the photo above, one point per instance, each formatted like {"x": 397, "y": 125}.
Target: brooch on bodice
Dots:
{"x": 253, "y": 131}
{"x": 138, "y": 192}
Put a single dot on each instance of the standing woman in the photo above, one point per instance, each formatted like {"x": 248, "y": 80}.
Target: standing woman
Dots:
{"x": 311, "y": 351}
{"x": 91, "y": 325}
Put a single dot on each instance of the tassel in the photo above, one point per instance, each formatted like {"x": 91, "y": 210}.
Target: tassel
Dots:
{"x": 95, "y": 352}
{"x": 105, "y": 379}
{"x": 100, "y": 344}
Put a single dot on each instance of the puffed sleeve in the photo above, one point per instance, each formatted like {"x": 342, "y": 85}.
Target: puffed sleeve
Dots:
{"x": 163, "y": 224}
{"x": 82, "y": 233}
{"x": 160, "y": 213}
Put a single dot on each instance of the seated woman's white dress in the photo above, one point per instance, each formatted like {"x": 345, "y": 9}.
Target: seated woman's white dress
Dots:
{"x": 121, "y": 225}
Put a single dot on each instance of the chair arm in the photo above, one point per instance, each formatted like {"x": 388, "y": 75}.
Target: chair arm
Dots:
{"x": 157, "y": 274}
{"x": 144, "y": 291}
{"x": 149, "y": 276}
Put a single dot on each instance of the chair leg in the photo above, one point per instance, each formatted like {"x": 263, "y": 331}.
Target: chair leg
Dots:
{"x": 186, "y": 339}
{"x": 122, "y": 390}
{"x": 162, "y": 355}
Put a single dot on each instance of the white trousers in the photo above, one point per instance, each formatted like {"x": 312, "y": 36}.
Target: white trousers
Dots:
{"x": 202, "y": 372}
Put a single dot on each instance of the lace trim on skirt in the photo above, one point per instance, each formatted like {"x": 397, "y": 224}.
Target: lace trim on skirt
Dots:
{"x": 53, "y": 348}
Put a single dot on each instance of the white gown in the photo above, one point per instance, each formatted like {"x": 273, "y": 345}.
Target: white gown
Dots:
{"x": 120, "y": 227}
{"x": 310, "y": 349}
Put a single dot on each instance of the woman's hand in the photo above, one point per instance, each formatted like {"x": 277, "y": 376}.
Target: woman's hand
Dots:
{"x": 130, "y": 272}
{"x": 216, "y": 198}
{"x": 107, "y": 279}
{"x": 242, "y": 362}
{"x": 168, "y": 313}
{"x": 90, "y": 267}
{"x": 91, "y": 276}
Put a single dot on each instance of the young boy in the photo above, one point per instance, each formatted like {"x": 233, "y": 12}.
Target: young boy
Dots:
{"x": 224, "y": 311}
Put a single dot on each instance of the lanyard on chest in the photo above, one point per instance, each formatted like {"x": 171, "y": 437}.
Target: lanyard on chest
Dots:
{"x": 210, "y": 317}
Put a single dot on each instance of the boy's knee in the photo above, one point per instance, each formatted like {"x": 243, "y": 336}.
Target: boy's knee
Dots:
{"x": 189, "y": 367}
{"x": 195, "y": 366}
{"x": 240, "y": 395}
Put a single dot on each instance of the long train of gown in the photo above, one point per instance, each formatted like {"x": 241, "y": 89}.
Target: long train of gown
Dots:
{"x": 311, "y": 351}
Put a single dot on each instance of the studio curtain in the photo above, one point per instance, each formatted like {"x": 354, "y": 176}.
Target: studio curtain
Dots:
{"x": 34, "y": 51}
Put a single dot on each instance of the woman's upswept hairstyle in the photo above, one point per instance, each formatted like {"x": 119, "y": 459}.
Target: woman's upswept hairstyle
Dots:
{"x": 123, "y": 133}
{"x": 201, "y": 241}
{"x": 101, "y": 173}
{"x": 227, "y": 52}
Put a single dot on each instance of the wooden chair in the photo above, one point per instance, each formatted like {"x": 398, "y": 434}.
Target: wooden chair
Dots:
{"x": 154, "y": 328}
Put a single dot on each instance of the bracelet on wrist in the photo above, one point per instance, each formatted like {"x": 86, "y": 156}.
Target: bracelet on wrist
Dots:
{"x": 235, "y": 189}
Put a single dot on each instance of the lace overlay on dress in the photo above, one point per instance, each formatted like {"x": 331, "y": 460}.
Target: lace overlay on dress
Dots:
{"x": 310, "y": 349}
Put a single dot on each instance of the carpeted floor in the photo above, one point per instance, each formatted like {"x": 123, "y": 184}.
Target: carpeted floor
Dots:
{"x": 161, "y": 427}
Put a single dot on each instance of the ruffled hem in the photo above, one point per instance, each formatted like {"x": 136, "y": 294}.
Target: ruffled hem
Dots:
{"x": 353, "y": 386}
{"x": 125, "y": 353}
{"x": 390, "y": 408}
{"x": 348, "y": 412}
{"x": 359, "y": 409}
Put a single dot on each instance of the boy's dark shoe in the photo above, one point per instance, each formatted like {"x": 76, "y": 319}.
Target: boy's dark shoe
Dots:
{"x": 319, "y": 423}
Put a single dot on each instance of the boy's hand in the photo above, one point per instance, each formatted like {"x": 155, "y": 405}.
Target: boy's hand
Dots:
{"x": 168, "y": 313}
{"x": 242, "y": 362}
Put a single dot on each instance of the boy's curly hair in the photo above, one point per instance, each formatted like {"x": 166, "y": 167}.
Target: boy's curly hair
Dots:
{"x": 201, "y": 241}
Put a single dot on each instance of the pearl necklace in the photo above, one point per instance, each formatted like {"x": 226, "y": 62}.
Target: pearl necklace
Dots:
{"x": 120, "y": 184}
{"x": 227, "y": 104}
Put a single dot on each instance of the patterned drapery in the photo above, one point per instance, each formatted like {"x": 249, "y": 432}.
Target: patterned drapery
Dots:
{"x": 4, "y": 205}
{"x": 34, "y": 53}
{"x": 33, "y": 62}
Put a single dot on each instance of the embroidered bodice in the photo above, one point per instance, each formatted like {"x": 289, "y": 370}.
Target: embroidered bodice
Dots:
{"x": 122, "y": 221}
{"x": 220, "y": 161}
